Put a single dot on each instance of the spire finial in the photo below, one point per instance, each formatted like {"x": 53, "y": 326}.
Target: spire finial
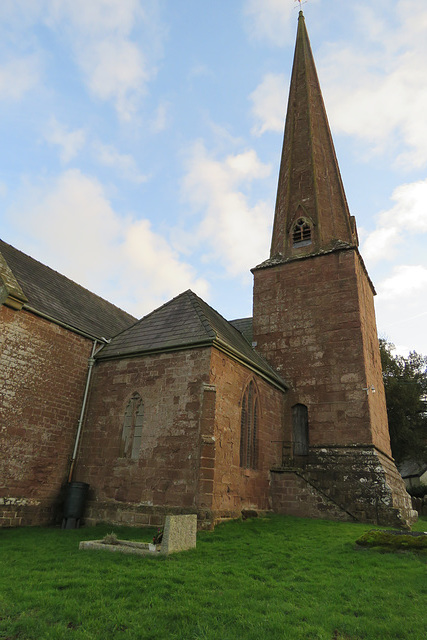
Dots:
{"x": 300, "y": 2}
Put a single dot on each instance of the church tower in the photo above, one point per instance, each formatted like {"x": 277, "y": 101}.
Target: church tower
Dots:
{"x": 314, "y": 321}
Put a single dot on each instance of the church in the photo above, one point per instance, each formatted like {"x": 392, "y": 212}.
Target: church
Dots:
{"x": 183, "y": 411}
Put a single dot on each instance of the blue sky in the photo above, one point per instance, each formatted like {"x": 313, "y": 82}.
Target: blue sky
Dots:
{"x": 141, "y": 142}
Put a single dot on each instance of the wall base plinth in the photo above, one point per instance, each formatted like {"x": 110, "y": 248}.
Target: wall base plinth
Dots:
{"x": 356, "y": 483}
{"x": 140, "y": 515}
{"x": 27, "y": 512}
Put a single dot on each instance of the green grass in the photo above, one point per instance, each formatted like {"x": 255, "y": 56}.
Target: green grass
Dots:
{"x": 281, "y": 578}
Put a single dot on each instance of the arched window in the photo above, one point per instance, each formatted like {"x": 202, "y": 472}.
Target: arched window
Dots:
{"x": 249, "y": 428}
{"x": 132, "y": 428}
{"x": 301, "y": 235}
{"x": 300, "y": 429}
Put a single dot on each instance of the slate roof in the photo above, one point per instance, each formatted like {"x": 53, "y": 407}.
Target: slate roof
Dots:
{"x": 412, "y": 468}
{"x": 244, "y": 325}
{"x": 52, "y": 294}
{"x": 186, "y": 322}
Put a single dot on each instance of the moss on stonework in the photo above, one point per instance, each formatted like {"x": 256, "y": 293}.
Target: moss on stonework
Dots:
{"x": 394, "y": 540}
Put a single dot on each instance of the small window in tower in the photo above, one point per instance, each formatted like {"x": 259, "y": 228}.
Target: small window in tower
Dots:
{"x": 301, "y": 236}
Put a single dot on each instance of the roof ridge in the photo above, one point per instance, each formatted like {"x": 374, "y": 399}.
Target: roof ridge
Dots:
{"x": 219, "y": 338}
{"x": 240, "y": 319}
{"x": 196, "y": 303}
{"x": 140, "y": 320}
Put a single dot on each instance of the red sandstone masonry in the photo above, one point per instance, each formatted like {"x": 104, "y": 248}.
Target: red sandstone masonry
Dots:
{"x": 207, "y": 447}
{"x": 377, "y": 402}
{"x": 292, "y": 496}
{"x": 44, "y": 368}
{"x": 314, "y": 321}
{"x": 166, "y": 473}
{"x": 308, "y": 325}
{"x": 236, "y": 488}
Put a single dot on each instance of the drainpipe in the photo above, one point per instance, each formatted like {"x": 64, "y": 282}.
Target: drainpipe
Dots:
{"x": 91, "y": 363}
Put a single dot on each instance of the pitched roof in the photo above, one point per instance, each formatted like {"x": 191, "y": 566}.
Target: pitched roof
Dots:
{"x": 412, "y": 468}
{"x": 49, "y": 293}
{"x": 310, "y": 184}
{"x": 182, "y": 323}
{"x": 245, "y": 326}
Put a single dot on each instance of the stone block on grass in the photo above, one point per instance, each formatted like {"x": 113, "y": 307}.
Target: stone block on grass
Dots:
{"x": 179, "y": 533}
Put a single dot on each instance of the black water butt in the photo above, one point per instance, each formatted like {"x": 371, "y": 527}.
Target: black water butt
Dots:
{"x": 74, "y": 505}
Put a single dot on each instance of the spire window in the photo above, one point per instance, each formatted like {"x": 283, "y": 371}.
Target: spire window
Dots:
{"x": 301, "y": 235}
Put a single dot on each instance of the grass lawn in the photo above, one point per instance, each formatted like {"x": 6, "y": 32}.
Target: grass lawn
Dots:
{"x": 279, "y": 578}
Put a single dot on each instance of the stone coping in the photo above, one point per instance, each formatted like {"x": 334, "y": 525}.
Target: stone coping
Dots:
{"x": 123, "y": 546}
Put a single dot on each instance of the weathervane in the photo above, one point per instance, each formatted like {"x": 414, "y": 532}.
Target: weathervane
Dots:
{"x": 301, "y": 2}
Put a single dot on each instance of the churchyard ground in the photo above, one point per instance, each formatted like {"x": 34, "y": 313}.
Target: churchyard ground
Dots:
{"x": 273, "y": 578}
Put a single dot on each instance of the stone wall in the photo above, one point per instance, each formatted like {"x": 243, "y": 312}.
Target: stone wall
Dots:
{"x": 314, "y": 321}
{"x": 44, "y": 369}
{"x": 361, "y": 482}
{"x": 293, "y": 495}
{"x": 372, "y": 360}
{"x": 308, "y": 325}
{"x": 190, "y": 455}
{"x": 166, "y": 472}
{"x": 234, "y": 488}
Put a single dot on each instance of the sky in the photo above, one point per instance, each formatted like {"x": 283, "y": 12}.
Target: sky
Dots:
{"x": 141, "y": 142}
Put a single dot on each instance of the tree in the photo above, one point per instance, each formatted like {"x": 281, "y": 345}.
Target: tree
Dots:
{"x": 405, "y": 383}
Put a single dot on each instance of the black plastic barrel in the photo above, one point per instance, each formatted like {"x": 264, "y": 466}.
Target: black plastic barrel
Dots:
{"x": 74, "y": 505}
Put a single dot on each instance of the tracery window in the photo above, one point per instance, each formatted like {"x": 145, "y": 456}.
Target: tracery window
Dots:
{"x": 301, "y": 235}
{"x": 132, "y": 428}
{"x": 249, "y": 428}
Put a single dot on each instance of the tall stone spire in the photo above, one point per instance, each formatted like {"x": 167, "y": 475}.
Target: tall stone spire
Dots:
{"x": 311, "y": 214}
{"x": 314, "y": 322}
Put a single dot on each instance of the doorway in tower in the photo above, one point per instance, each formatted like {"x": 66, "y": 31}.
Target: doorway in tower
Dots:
{"x": 300, "y": 430}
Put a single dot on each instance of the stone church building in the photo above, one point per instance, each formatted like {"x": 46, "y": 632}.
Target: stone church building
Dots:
{"x": 186, "y": 412}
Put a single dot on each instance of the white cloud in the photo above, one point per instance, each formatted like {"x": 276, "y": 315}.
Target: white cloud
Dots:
{"x": 269, "y": 103}
{"x": 117, "y": 71}
{"x": 18, "y": 76}
{"x": 379, "y": 95}
{"x": 70, "y": 142}
{"x": 401, "y": 307}
{"x": 150, "y": 255}
{"x": 106, "y": 37}
{"x": 270, "y": 20}
{"x": 161, "y": 118}
{"x": 78, "y": 233}
{"x": 109, "y": 156}
{"x": 232, "y": 231}
{"x": 97, "y": 16}
{"x": 407, "y": 218}
{"x": 406, "y": 281}
{"x": 115, "y": 43}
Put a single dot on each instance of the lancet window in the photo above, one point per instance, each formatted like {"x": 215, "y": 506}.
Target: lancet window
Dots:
{"x": 249, "y": 428}
{"x": 132, "y": 428}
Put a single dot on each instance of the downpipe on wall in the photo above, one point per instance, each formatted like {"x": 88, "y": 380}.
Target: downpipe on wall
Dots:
{"x": 91, "y": 363}
{"x": 76, "y": 492}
